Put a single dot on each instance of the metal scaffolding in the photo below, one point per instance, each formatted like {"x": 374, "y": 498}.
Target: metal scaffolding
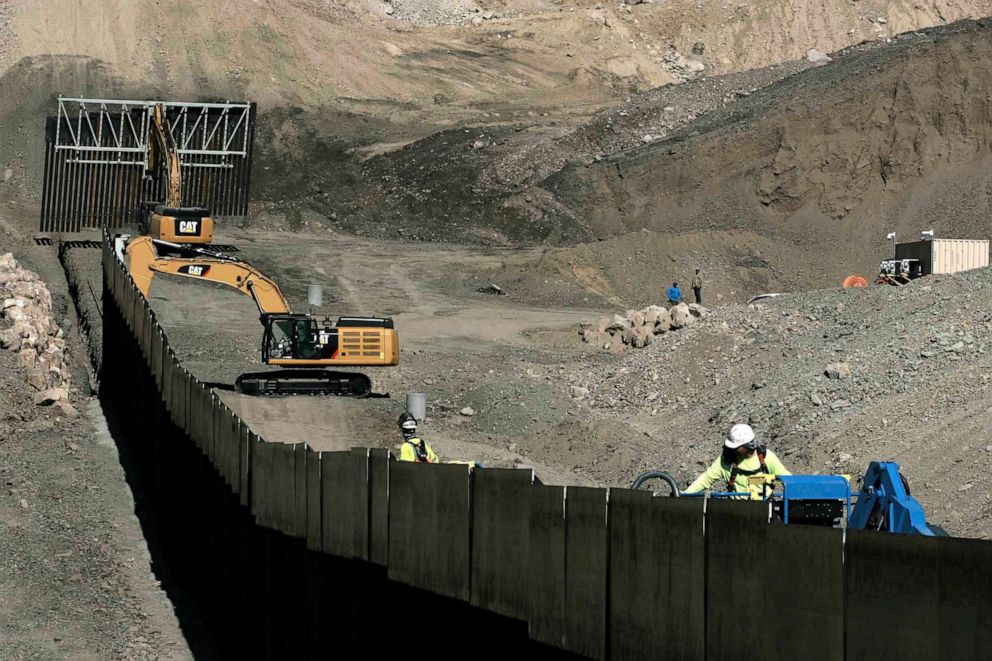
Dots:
{"x": 98, "y": 164}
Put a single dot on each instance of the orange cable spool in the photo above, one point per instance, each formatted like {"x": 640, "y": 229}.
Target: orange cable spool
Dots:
{"x": 854, "y": 281}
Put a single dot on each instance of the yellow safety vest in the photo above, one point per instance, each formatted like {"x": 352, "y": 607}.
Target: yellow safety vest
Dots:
{"x": 416, "y": 450}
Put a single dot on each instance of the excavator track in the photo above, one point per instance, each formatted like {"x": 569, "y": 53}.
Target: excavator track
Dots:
{"x": 304, "y": 382}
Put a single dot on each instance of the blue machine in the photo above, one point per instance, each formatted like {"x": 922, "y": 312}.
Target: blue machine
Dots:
{"x": 884, "y": 502}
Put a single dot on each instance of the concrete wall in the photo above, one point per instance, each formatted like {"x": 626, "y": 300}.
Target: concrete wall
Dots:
{"x": 292, "y": 553}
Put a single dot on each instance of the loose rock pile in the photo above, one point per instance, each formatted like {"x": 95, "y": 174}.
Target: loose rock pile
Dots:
{"x": 638, "y": 327}
{"x": 34, "y": 335}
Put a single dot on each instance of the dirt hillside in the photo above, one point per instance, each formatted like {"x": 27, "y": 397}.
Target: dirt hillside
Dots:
{"x": 797, "y": 181}
{"x": 338, "y": 82}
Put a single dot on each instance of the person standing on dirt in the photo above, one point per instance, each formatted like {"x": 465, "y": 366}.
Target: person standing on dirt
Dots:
{"x": 414, "y": 448}
{"x": 697, "y": 287}
{"x": 674, "y": 294}
{"x": 741, "y": 458}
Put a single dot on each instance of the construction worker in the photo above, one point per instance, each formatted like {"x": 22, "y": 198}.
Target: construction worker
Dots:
{"x": 674, "y": 294}
{"x": 741, "y": 457}
{"x": 697, "y": 287}
{"x": 414, "y": 448}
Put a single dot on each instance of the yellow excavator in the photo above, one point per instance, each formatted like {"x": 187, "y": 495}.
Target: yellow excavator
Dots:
{"x": 173, "y": 242}
{"x": 299, "y": 342}
{"x": 171, "y": 221}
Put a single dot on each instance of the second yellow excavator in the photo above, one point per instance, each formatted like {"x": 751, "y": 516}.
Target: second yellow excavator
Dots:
{"x": 171, "y": 221}
{"x": 289, "y": 340}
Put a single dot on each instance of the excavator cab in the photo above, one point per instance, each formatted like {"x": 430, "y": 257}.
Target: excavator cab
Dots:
{"x": 297, "y": 337}
{"x": 301, "y": 340}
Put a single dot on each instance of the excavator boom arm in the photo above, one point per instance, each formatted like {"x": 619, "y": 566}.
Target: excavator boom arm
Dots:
{"x": 168, "y": 156}
{"x": 145, "y": 263}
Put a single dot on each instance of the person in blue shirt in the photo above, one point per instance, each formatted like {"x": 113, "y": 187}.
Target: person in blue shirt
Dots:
{"x": 674, "y": 294}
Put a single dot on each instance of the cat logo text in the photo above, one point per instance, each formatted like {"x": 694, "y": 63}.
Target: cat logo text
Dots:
{"x": 189, "y": 227}
{"x": 195, "y": 270}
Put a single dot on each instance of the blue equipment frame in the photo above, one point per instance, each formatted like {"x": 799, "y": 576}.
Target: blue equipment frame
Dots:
{"x": 886, "y": 504}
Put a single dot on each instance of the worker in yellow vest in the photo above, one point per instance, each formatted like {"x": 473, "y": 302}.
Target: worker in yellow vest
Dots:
{"x": 741, "y": 458}
{"x": 414, "y": 448}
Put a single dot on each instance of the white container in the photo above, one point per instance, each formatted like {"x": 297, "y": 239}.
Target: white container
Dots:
{"x": 957, "y": 255}
{"x": 944, "y": 256}
{"x": 416, "y": 405}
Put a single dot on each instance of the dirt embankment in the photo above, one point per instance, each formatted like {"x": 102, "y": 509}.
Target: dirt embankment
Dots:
{"x": 75, "y": 569}
{"x": 787, "y": 187}
{"x": 338, "y": 82}
{"x": 314, "y": 53}
{"x": 887, "y": 139}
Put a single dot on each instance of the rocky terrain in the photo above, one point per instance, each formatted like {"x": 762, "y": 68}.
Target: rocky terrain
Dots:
{"x": 75, "y": 568}
{"x": 516, "y": 182}
{"x": 831, "y": 379}
{"x": 33, "y": 334}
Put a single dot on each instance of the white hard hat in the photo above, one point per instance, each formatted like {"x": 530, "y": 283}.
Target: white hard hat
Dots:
{"x": 740, "y": 435}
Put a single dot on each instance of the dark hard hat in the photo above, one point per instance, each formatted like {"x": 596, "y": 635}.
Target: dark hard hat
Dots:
{"x": 406, "y": 421}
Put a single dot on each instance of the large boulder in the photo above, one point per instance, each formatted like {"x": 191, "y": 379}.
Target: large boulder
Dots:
{"x": 641, "y": 336}
{"x": 34, "y": 335}
{"x": 614, "y": 324}
{"x": 50, "y": 396}
{"x": 652, "y": 312}
{"x": 681, "y": 316}
{"x": 663, "y": 321}
{"x": 838, "y": 371}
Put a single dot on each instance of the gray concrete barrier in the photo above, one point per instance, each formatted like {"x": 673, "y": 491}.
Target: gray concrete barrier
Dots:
{"x": 198, "y": 412}
{"x": 217, "y": 414}
{"x": 804, "y": 588}
{"x": 735, "y": 574}
{"x": 156, "y": 360}
{"x": 282, "y": 489}
{"x": 604, "y": 574}
{"x": 247, "y": 440}
{"x": 380, "y": 463}
{"x": 300, "y": 490}
{"x": 168, "y": 365}
{"x": 147, "y": 330}
{"x": 345, "y": 503}
{"x": 263, "y": 500}
{"x": 315, "y": 505}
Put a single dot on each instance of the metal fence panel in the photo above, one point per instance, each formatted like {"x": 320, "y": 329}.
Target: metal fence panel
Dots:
{"x": 429, "y": 519}
{"x": 500, "y": 534}
{"x": 657, "y": 577}
{"x": 546, "y": 565}
{"x": 585, "y": 571}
